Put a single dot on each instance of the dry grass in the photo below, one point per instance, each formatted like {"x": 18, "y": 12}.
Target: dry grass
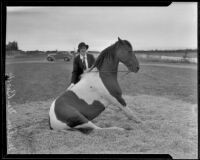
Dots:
{"x": 42, "y": 81}
{"x": 163, "y": 98}
{"x": 168, "y": 127}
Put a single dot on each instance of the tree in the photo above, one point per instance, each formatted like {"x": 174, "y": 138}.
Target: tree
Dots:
{"x": 12, "y": 46}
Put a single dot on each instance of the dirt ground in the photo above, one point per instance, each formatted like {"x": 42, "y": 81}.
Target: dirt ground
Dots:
{"x": 168, "y": 127}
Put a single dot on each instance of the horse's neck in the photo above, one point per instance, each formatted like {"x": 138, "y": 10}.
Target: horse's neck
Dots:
{"x": 108, "y": 74}
{"x": 109, "y": 66}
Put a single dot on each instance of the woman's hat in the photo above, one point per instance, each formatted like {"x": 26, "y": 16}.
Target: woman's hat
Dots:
{"x": 82, "y": 44}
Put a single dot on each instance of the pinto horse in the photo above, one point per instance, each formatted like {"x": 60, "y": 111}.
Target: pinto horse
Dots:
{"x": 97, "y": 89}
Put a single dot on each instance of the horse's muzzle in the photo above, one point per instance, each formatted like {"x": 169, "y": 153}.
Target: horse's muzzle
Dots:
{"x": 133, "y": 69}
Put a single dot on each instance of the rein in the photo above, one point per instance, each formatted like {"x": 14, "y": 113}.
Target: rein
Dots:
{"x": 108, "y": 71}
{"x": 90, "y": 70}
{"x": 127, "y": 72}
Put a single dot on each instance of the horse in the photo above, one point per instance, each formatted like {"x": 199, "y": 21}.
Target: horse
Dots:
{"x": 76, "y": 107}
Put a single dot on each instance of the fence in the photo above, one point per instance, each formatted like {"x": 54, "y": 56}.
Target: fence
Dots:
{"x": 167, "y": 58}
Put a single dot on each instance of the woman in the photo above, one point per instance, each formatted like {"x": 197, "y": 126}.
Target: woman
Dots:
{"x": 81, "y": 63}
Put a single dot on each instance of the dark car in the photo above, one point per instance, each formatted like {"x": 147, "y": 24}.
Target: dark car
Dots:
{"x": 66, "y": 56}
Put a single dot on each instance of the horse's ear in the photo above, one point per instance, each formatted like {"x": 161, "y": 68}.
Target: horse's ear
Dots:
{"x": 119, "y": 39}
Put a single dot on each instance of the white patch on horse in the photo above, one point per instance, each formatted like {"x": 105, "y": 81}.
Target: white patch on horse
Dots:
{"x": 91, "y": 88}
{"x": 55, "y": 123}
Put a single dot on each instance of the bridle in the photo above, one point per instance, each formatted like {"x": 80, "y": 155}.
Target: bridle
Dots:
{"x": 127, "y": 72}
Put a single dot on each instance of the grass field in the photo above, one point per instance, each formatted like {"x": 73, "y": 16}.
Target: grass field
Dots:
{"x": 164, "y": 98}
{"x": 190, "y": 54}
{"x": 42, "y": 81}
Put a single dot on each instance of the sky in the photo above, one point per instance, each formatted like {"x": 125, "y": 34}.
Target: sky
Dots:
{"x": 63, "y": 28}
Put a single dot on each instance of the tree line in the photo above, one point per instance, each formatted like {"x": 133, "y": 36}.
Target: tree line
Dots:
{"x": 12, "y": 46}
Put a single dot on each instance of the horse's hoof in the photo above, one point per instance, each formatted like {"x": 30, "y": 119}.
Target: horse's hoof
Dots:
{"x": 86, "y": 130}
{"x": 118, "y": 128}
{"x": 135, "y": 120}
{"x": 138, "y": 121}
{"x": 128, "y": 128}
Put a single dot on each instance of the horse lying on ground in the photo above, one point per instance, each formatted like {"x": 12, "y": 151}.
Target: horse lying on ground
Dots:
{"x": 97, "y": 89}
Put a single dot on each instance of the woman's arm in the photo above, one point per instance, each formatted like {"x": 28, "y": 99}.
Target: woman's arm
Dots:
{"x": 74, "y": 71}
{"x": 93, "y": 60}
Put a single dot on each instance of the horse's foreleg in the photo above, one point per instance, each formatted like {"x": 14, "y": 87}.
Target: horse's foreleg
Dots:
{"x": 91, "y": 126}
{"x": 118, "y": 128}
{"x": 127, "y": 111}
{"x": 88, "y": 125}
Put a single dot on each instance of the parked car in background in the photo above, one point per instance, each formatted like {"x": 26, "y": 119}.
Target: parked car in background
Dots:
{"x": 66, "y": 56}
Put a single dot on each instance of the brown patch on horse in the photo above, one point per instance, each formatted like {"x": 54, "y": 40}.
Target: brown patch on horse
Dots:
{"x": 73, "y": 111}
{"x": 107, "y": 64}
{"x": 112, "y": 85}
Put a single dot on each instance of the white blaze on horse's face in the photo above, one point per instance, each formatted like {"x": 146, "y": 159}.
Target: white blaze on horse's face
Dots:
{"x": 126, "y": 55}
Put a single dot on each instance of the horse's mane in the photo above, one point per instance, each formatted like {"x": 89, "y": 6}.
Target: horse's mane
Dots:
{"x": 108, "y": 52}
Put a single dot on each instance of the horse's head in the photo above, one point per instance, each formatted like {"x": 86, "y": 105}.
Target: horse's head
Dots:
{"x": 126, "y": 55}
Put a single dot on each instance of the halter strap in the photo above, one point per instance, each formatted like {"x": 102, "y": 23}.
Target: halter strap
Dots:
{"x": 90, "y": 70}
